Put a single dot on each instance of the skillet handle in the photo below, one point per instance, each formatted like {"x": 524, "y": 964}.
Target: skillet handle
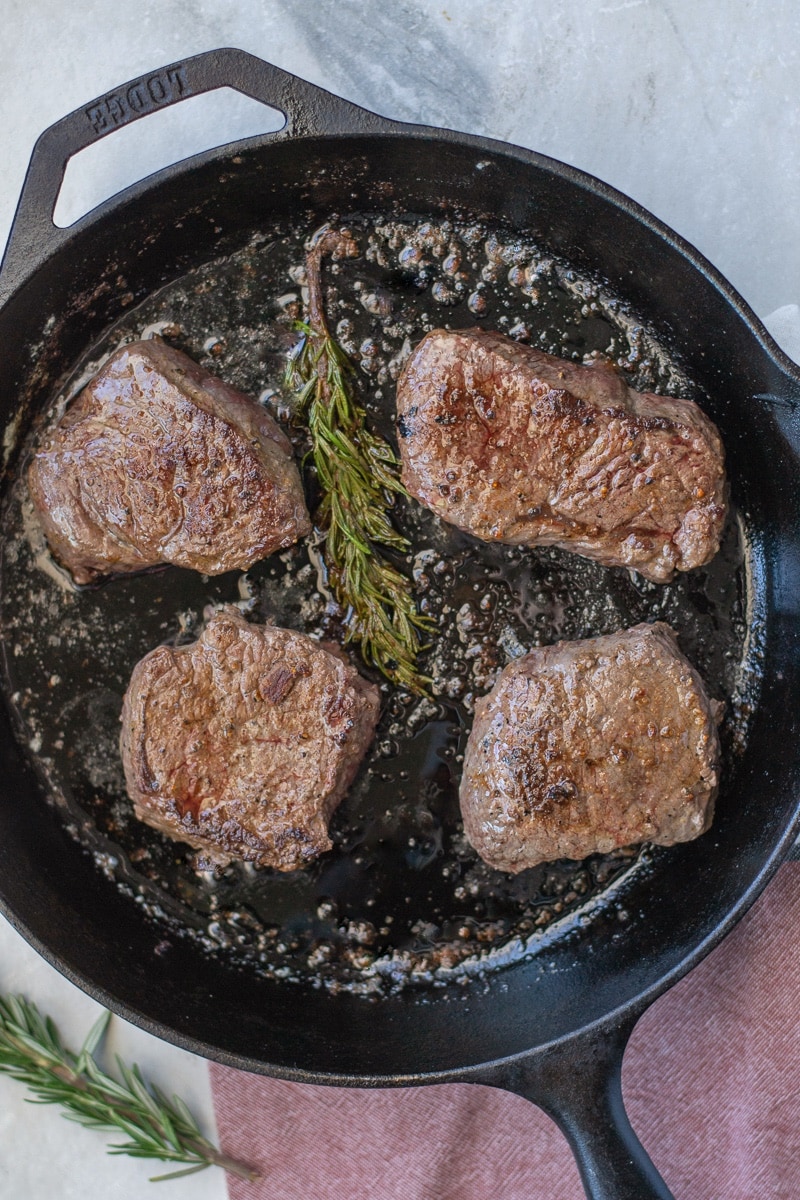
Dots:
{"x": 309, "y": 111}
{"x": 579, "y": 1084}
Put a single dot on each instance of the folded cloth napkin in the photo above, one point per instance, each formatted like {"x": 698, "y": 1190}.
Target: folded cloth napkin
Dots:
{"x": 711, "y": 1081}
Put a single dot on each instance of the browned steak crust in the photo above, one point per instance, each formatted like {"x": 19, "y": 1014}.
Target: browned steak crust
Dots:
{"x": 157, "y": 461}
{"x": 513, "y": 445}
{"x": 582, "y": 747}
{"x": 244, "y": 743}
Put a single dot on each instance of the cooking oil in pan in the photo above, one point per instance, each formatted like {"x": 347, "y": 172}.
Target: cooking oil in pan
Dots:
{"x": 402, "y": 899}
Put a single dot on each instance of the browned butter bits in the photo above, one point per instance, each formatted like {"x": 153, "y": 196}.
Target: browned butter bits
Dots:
{"x": 402, "y": 874}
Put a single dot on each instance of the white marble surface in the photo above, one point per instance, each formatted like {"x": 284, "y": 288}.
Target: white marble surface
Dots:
{"x": 45, "y": 1157}
{"x": 691, "y": 108}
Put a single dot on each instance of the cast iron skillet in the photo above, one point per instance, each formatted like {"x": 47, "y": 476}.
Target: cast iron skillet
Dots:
{"x": 552, "y": 1028}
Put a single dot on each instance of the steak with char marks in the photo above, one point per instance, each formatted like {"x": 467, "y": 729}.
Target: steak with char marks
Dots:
{"x": 583, "y": 747}
{"x": 158, "y": 461}
{"x": 513, "y": 445}
{"x": 243, "y": 743}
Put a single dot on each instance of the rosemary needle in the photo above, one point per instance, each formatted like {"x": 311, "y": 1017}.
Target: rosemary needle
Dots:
{"x": 31, "y": 1050}
{"x": 357, "y": 475}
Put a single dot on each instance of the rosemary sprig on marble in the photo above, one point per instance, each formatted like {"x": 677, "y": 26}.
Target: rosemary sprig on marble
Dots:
{"x": 357, "y": 474}
{"x": 31, "y": 1050}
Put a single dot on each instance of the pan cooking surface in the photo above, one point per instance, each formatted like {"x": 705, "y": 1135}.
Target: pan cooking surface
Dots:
{"x": 401, "y": 899}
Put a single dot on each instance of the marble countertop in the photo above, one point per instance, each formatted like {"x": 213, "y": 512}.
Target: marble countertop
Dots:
{"x": 692, "y": 109}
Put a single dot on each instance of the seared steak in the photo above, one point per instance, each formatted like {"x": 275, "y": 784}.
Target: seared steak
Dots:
{"x": 582, "y": 747}
{"x": 513, "y": 445}
{"x": 243, "y": 743}
{"x": 157, "y": 461}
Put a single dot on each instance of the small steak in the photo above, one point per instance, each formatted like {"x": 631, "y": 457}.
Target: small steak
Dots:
{"x": 583, "y": 747}
{"x": 243, "y": 743}
{"x": 157, "y": 461}
{"x": 513, "y": 445}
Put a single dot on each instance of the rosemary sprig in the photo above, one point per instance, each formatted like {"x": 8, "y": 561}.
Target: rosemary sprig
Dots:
{"x": 31, "y": 1050}
{"x": 357, "y": 474}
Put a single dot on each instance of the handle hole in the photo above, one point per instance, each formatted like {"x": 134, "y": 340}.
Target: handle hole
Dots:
{"x": 163, "y": 137}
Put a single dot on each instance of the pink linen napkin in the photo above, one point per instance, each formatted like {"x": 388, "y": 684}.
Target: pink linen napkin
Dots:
{"x": 711, "y": 1082}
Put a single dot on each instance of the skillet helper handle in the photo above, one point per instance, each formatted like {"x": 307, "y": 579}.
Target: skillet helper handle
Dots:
{"x": 309, "y": 111}
{"x": 579, "y": 1085}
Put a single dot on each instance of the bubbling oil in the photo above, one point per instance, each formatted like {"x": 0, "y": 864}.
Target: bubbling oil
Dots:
{"x": 402, "y": 899}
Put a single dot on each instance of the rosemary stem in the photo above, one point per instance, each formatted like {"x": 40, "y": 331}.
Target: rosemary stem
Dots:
{"x": 357, "y": 472}
{"x": 31, "y": 1051}
{"x": 216, "y": 1158}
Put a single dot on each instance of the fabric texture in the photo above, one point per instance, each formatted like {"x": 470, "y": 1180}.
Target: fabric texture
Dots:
{"x": 711, "y": 1081}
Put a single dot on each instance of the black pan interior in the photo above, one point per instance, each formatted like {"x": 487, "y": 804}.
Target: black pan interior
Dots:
{"x": 269, "y": 971}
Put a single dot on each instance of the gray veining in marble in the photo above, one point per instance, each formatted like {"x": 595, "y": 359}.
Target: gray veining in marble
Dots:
{"x": 689, "y": 107}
